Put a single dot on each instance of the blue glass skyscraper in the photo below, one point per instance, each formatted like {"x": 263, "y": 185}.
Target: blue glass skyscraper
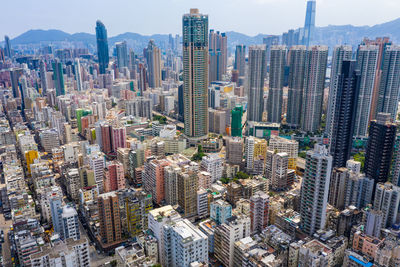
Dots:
{"x": 309, "y": 25}
{"x": 102, "y": 46}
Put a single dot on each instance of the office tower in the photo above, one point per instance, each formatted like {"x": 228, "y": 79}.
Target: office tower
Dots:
{"x": 137, "y": 204}
{"x": 58, "y": 77}
{"x": 387, "y": 200}
{"x": 382, "y": 44}
{"x": 114, "y": 177}
{"x": 220, "y": 211}
{"x": 309, "y": 24}
{"x": 15, "y": 74}
{"x": 102, "y": 46}
{"x": 234, "y": 150}
{"x": 7, "y": 47}
{"x": 2, "y": 56}
{"x": 276, "y": 79}
{"x": 340, "y": 53}
{"x": 236, "y": 121}
{"x": 142, "y": 79}
{"x": 314, "y": 189}
{"x": 297, "y": 59}
{"x": 213, "y": 164}
{"x": 389, "y": 87}
{"x": 153, "y": 59}
{"x": 187, "y": 193}
{"x": 259, "y": 212}
{"x": 344, "y": 113}
{"x": 288, "y": 38}
{"x": 314, "y": 84}
{"x": 195, "y": 73}
{"x": 109, "y": 218}
{"x": 70, "y": 223}
{"x": 153, "y": 179}
{"x": 283, "y": 145}
{"x": 184, "y": 244}
{"x": 78, "y": 75}
{"x": 367, "y": 59}
{"x": 227, "y": 234}
{"x": 122, "y": 54}
{"x": 381, "y": 141}
{"x": 43, "y": 78}
{"x": 256, "y": 72}
{"x": 55, "y": 202}
{"x": 276, "y": 170}
{"x": 240, "y": 59}
{"x": 218, "y": 53}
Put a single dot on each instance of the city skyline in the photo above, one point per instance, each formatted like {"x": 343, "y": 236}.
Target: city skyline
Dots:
{"x": 249, "y": 17}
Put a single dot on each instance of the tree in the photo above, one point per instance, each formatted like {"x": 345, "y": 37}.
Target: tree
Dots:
{"x": 242, "y": 175}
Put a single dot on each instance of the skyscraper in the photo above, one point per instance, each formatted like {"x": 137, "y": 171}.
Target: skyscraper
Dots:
{"x": 276, "y": 75}
{"x": 153, "y": 59}
{"x": 195, "y": 74}
{"x": 7, "y": 47}
{"x": 43, "y": 78}
{"x": 340, "y": 53}
{"x": 309, "y": 24}
{"x": 389, "y": 87}
{"x": 257, "y": 67}
{"x": 122, "y": 54}
{"x": 78, "y": 75}
{"x": 218, "y": 53}
{"x": 367, "y": 58}
{"x": 297, "y": 59}
{"x": 378, "y": 158}
{"x": 102, "y": 46}
{"x": 314, "y": 83}
{"x": 240, "y": 59}
{"x": 314, "y": 189}
{"x": 342, "y": 129}
{"x": 58, "y": 77}
{"x": 109, "y": 218}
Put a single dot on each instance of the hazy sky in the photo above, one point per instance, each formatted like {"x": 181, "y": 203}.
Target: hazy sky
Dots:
{"x": 164, "y": 16}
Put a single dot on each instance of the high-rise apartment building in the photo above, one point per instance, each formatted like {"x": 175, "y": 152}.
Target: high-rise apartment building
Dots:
{"x": 213, "y": 164}
{"x": 153, "y": 178}
{"x": 43, "y": 77}
{"x": 240, "y": 60}
{"x": 234, "y": 150}
{"x": 389, "y": 87}
{"x": 114, "y": 177}
{"x": 283, "y": 145}
{"x": 70, "y": 223}
{"x": 276, "y": 79}
{"x": 7, "y": 47}
{"x": 78, "y": 75}
{"x": 296, "y": 60}
{"x": 153, "y": 59}
{"x": 195, "y": 74}
{"x": 109, "y": 217}
{"x": 102, "y": 46}
{"x": 276, "y": 169}
{"x": 367, "y": 60}
{"x": 309, "y": 24}
{"x": 379, "y": 153}
{"x": 187, "y": 192}
{"x": 344, "y": 113}
{"x": 218, "y": 55}
{"x": 340, "y": 53}
{"x": 314, "y": 84}
{"x": 256, "y": 72}
{"x": 315, "y": 189}
{"x": 387, "y": 200}
{"x": 259, "y": 212}
{"x": 220, "y": 211}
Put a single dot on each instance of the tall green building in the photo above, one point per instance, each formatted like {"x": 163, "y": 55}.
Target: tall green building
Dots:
{"x": 236, "y": 122}
{"x": 195, "y": 74}
{"x": 58, "y": 77}
{"x": 79, "y": 114}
